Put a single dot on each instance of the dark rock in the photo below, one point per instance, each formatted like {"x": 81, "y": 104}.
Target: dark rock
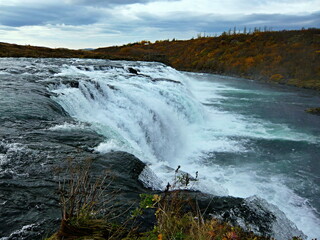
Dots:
{"x": 165, "y": 80}
{"x": 74, "y": 84}
{"x": 125, "y": 188}
{"x": 132, "y": 70}
{"x": 83, "y": 68}
{"x": 71, "y": 83}
{"x": 3, "y": 148}
{"x": 112, "y": 87}
{"x": 125, "y": 166}
{"x": 52, "y": 71}
{"x": 251, "y": 214}
{"x": 98, "y": 87}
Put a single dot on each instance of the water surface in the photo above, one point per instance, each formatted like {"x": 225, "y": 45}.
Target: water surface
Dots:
{"x": 244, "y": 138}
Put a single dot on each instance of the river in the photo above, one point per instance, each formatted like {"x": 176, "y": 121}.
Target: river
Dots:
{"x": 240, "y": 137}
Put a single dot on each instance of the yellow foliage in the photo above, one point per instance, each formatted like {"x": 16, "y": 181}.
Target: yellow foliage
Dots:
{"x": 276, "y": 77}
{"x": 249, "y": 61}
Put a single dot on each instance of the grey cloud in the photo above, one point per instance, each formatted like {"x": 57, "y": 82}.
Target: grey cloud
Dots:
{"x": 7, "y": 29}
{"x": 107, "y": 23}
{"x": 281, "y": 21}
{"x": 216, "y": 23}
{"x": 27, "y": 16}
{"x": 105, "y": 3}
{"x": 76, "y": 12}
{"x": 182, "y": 22}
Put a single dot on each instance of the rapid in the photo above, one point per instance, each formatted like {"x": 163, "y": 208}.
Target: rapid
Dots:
{"x": 239, "y": 137}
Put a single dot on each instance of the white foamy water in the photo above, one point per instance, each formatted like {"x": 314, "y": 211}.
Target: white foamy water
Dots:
{"x": 68, "y": 127}
{"x": 167, "y": 118}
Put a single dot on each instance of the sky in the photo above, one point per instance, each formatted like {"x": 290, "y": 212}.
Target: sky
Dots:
{"x": 78, "y": 24}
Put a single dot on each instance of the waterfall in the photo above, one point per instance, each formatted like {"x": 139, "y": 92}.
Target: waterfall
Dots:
{"x": 168, "y": 118}
{"x": 151, "y": 114}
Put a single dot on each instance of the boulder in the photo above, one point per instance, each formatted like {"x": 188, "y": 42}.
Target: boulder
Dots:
{"x": 132, "y": 70}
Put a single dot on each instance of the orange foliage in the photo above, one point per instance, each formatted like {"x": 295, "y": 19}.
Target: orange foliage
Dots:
{"x": 276, "y": 77}
{"x": 263, "y": 55}
{"x": 249, "y": 61}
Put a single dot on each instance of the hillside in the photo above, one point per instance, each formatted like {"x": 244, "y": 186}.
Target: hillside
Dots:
{"x": 286, "y": 57}
{"x": 15, "y": 50}
{"x": 289, "y": 57}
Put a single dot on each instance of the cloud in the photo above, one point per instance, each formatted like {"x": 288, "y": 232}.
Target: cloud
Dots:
{"x": 17, "y": 13}
{"x": 41, "y": 15}
{"x": 97, "y": 23}
{"x": 216, "y": 23}
{"x": 112, "y": 2}
{"x": 117, "y": 30}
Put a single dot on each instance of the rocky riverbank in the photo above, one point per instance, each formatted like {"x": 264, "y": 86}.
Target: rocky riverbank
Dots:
{"x": 252, "y": 217}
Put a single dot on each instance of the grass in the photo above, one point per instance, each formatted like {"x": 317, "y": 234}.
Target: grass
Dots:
{"x": 86, "y": 205}
{"x": 177, "y": 218}
{"x": 174, "y": 223}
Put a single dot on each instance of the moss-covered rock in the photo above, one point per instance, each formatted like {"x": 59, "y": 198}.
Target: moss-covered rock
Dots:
{"x": 313, "y": 111}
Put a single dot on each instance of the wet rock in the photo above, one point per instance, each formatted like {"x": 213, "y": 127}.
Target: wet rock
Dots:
{"x": 251, "y": 214}
{"x": 125, "y": 187}
{"x": 71, "y": 83}
{"x": 165, "y": 80}
{"x": 53, "y": 71}
{"x": 124, "y": 166}
{"x": 3, "y": 148}
{"x": 74, "y": 84}
{"x": 112, "y": 87}
{"x": 132, "y": 70}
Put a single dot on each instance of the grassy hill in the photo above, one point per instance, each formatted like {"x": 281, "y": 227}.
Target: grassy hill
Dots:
{"x": 289, "y": 57}
{"x": 286, "y": 57}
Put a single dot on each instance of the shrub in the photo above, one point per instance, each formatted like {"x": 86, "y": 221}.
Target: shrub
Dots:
{"x": 276, "y": 77}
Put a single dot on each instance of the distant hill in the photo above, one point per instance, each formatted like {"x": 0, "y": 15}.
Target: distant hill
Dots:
{"x": 87, "y": 49}
{"x": 14, "y": 50}
{"x": 286, "y": 57}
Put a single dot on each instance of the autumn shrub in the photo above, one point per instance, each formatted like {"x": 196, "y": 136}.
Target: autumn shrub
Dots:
{"x": 180, "y": 218}
{"x": 276, "y": 77}
{"x": 86, "y": 204}
{"x": 175, "y": 223}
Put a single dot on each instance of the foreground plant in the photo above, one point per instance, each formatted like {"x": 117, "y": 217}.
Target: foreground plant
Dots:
{"x": 85, "y": 215}
{"x": 179, "y": 218}
{"x": 86, "y": 208}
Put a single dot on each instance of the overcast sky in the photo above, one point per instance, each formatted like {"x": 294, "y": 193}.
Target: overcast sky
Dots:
{"x": 97, "y": 23}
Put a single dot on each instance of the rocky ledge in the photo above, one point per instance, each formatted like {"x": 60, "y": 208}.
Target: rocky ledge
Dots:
{"x": 252, "y": 214}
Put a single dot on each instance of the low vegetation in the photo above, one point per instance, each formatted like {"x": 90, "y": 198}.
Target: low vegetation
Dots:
{"x": 174, "y": 222}
{"x": 284, "y": 57}
{"x": 85, "y": 215}
{"x": 313, "y": 111}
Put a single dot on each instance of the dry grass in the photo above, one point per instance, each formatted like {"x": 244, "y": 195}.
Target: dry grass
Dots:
{"x": 175, "y": 223}
{"x": 178, "y": 218}
{"x": 86, "y": 205}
